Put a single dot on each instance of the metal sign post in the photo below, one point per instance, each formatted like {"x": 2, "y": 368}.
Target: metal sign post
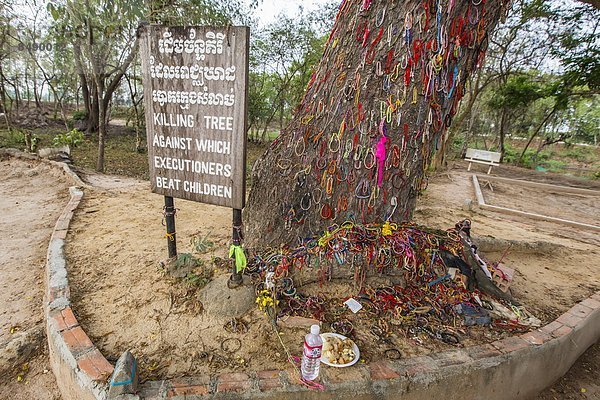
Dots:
{"x": 170, "y": 223}
{"x": 237, "y": 237}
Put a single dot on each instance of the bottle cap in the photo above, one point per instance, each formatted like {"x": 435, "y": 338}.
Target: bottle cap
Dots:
{"x": 315, "y": 329}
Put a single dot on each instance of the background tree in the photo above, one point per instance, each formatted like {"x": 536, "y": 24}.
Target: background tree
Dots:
{"x": 552, "y": 44}
{"x": 104, "y": 42}
{"x": 282, "y": 58}
{"x": 374, "y": 112}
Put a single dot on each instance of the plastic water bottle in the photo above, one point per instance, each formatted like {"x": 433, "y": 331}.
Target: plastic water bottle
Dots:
{"x": 311, "y": 356}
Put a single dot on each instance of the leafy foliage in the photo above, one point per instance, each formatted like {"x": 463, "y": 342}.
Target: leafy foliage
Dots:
{"x": 201, "y": 244}
{"x": 71, "y": 138}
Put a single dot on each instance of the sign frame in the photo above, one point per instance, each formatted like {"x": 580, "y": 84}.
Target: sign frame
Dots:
{"x": 196, "y": 100}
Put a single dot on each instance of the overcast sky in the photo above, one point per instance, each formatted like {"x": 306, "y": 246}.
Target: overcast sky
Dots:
{"x": 268, "y": 10}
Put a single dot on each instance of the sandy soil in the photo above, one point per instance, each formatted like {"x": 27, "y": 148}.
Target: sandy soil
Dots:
{"x": 124, "y": 301}
{"x": 571, "y": 206}
{"x": 556, "y": 266}
{"x": 581, "y": 382}
{"x": 32, "y": 198}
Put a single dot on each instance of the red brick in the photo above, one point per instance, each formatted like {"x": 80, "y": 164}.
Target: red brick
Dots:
{"x": 235, "y": 382}
{"x": 536, "y": 337}
{"x": 510, "y": 344}
{"x": 82, "y": 337}
{"x": 59, "y": 322}
{"x": 95, "y": 365}
{"x": 269, "y": 384}
{"x": 188, "y": 386}
{"x": 453, "y": 357}
{"x": 416, "y": 365}
{"x": 562, "y": 331}
{"x": 381, "y": 370}
{"x": 269, "y": 380}
{"x": 70, "y": 340}
{"x": 186, "y": 382}
{"x": 580, "y": 310}
{"x": 591, "y": 303}
{"x": 483, "y": 351}
{"x": 100, "y": 362}
{"x": 77, "y": 341}
{"x": 569, "y": 319}
{"x": 87, "y": 366}
{"x": 69, "y": 317}
{"x": 274, "y": 374}
{"x": 551, "y": 327}
{"x": 340, "y": 375}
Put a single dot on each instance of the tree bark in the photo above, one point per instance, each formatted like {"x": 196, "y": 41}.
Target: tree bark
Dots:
{"x": 93, "y": 122}
{"x": 440, "y": 161}
{"x": 503, "y": 123}
{"x": 374, "y": 112}
{"x": 104, "y": 96}
{"x": 101, "y": 124}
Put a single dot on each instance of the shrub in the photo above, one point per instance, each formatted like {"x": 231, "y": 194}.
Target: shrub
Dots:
{"x": 581, "y": 154}
{"x": 71, "y": 139}
{"x": 79, "y": 115}
{"x": 554, "y": 165}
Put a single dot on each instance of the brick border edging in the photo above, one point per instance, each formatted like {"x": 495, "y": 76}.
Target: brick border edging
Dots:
{"x": 81, "y": 370}
{"x": 516, "y": 367}
{"x": 502, "y": 369}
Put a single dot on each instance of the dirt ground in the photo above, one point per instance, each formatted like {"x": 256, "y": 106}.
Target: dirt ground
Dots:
{"x": 116, "y": 239}
{"x": 570, "y": 206}
{"x": 581, "y": 382}
{"x": 556, "y": 266}
{"x": 32, "y": 198}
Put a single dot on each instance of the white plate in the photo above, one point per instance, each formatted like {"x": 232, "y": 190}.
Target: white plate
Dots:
{"x": 325, "y": 361}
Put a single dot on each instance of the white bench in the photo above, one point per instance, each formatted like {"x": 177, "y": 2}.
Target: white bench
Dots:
{"x": 490, "y": 158}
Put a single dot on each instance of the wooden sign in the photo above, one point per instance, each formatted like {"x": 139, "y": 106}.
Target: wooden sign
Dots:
{"x": 195, "y": 96}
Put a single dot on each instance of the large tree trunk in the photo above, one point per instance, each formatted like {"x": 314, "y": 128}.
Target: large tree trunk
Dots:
{"x": 373, "y": 114}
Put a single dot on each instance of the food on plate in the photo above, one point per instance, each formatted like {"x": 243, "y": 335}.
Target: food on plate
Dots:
{"x": 338, "y": 351}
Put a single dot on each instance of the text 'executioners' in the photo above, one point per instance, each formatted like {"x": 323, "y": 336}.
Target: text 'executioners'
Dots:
{"x": 197, "y": 167}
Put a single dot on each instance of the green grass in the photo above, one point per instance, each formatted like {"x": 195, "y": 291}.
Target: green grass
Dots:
{"x": 120, "y": 157}
{"x": 580, "y": 153}
{"x": 14, "y": 138}
{"x": 554, "y": 165}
